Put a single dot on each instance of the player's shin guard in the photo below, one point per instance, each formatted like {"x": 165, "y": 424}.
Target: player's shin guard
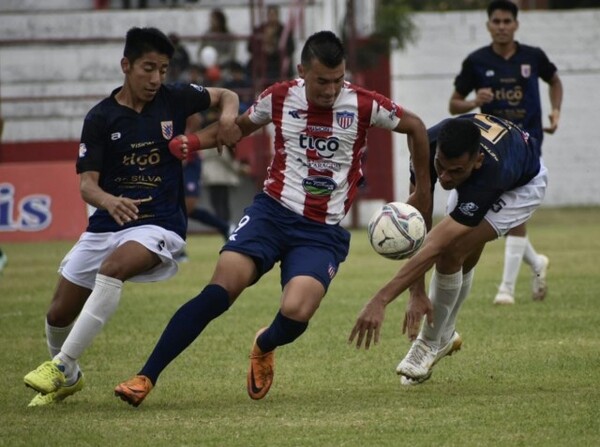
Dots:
{"x": 443, "y": 291}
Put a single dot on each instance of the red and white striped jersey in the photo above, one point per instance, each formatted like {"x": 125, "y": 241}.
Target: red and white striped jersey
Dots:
{"x": 316, "y": 166}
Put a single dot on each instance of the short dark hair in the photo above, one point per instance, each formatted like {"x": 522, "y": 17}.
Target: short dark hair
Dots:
{"x": 140, "y": 41}
{"x": 457, "y": 137}
{"x": 324, "y": 46}
{"x": 503, "y": 5}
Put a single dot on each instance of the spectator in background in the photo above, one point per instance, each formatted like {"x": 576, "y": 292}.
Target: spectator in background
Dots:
{"x": 220, "y": 38}
{"x": 505, "y": 76}
{"x": 220, "y": 176}
{"x": 180, "y": 61}
{"x": 271, "y": 58}
{"x": 238, "y": 81}
{"x": 3, "y": 257}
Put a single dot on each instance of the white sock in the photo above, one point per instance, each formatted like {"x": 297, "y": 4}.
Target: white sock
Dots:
{"x": 531, "y": 257}
{"x": 443, "y": 293}
{"x": 513, "y": 255}
{"x": 56, "y": 336}
{"x": 465, "y": 289}
{"x": 98, "y": 309}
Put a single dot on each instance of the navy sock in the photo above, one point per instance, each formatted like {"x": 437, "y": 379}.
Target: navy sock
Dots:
{"x": 185, "y": 326}
{"x": 283, "y": 330}
{"x": 202, "y": 215}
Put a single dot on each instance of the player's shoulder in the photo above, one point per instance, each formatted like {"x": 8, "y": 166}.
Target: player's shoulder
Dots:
{"x": 530, "y": 49}
{"x": 481, "y": 53}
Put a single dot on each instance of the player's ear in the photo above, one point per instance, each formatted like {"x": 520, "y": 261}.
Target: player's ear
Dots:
{"x": 300, "y": 68}
{"x": 125, "y": 65}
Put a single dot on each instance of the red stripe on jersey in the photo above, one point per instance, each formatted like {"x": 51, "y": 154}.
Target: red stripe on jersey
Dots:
{"x": 315, "y": 207}
{"x": 365, "y": 103}
{"x": 276, "y": 174}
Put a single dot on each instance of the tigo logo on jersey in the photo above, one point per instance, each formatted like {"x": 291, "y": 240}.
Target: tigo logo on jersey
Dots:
{"x": 344, "y": 119}
{"x": 167, "y": 129}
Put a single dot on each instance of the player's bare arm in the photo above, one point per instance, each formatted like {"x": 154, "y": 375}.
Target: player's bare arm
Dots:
{"x": 556, "y": 95}
{"x": 122, "y": 209}
{"x": 228, "y": 133}
{"x": 369, "y": 321}
{"x": 418, "y": 145}
{"x": 459, "y": 104}
{"x": 246, "y": 125}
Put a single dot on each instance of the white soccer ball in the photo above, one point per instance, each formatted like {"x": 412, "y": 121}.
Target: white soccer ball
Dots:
{"x": 397, "y": 230}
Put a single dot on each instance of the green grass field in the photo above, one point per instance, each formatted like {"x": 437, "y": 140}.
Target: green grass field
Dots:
{"x": 528, "y": 375}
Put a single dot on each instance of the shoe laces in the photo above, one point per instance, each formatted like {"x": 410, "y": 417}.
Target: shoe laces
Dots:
{"x": 48, "y": 370}
{"x": 419, "y": 353}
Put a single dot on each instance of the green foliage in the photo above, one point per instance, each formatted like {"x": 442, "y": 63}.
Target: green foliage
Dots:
{"x": 393, "y": 24}
{"x": 527, "y": 375}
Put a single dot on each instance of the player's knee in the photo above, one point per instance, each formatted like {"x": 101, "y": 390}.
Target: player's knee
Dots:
{"x": 61, "y": 316}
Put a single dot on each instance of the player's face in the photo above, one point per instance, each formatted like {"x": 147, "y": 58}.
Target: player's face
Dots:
{"x": 145, "y": 76}
{"x": 502, "y": 27}
{"x": 323, "y": 84}
{"x": 452, "y": 172}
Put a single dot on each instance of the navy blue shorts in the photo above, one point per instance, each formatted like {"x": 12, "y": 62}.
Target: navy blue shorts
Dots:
{"x": 268, "y": 232}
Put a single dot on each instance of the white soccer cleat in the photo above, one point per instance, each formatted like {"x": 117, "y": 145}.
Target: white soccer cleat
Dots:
{"x": 453, "y": 345}
{"x": 539, "y": 286}
{"x": 418, "y": 362}
{"x": 504, "y": 298}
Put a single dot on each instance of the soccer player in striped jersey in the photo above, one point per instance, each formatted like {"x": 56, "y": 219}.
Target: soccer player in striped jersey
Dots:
{"x": 128, "y": 174}
{"x": 321, "y": 123}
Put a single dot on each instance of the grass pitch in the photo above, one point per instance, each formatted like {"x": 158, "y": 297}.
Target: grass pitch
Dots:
{"x": 528, "y": 375}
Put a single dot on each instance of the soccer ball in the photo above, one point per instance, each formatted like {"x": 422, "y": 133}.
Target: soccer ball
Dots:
{"x": 397, "y": 230}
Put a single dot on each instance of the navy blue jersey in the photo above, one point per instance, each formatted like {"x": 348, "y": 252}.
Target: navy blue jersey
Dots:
{"x": 511, "y": 159}
{"x": 514, "y": 82}
{"x": 130, "y": 151}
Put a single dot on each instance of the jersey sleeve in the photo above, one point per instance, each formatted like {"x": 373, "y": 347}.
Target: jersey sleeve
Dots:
{"x": 464, "y": 83}
{"x": 261, "y": 112}
{"x": 473, "y": 203}
{"x": 547, "y": 68}
{"x": 193, "y": 98}
{"x": 91, "y": 146}
{"x": 385, "y": 112}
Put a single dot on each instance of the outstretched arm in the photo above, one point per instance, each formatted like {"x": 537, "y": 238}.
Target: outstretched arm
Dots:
{"x": 369, "y": 321}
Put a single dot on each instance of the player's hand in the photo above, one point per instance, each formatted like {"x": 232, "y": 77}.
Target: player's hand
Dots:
{"x": 418, "y": 306}
{"x": 228, "y": 134}
{"x": 554, "y": 119}
{"x": 368, "y": 324}
{"x": 122, "y": 209}
{"x": 181, "y": 145}
{"x": 484, "y": 96}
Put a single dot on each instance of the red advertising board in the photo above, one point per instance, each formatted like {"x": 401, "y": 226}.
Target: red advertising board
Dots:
{"x": 40, "y": 202}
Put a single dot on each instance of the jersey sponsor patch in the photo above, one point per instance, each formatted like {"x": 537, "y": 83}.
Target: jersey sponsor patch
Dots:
{"x": 82, "y": 150}
{"x": 198, "y": 87}
{"x": 317, "y": 185}
{"x": 525, "y": 70}
{"x": 166, "y": 128}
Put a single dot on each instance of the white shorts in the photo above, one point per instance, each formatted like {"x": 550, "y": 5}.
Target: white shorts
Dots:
{"x": 82, "y": 263}
{"x": 519, "y": 204}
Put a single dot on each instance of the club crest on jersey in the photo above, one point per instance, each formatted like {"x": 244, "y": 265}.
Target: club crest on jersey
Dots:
{"x": 167, "y": 129}
{"x": 525, "y": 70}
{"x": 344, "y": 119}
